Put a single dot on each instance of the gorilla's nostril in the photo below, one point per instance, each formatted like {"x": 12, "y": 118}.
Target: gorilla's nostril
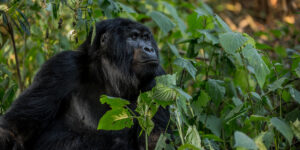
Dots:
{"x": 147, "y": 49}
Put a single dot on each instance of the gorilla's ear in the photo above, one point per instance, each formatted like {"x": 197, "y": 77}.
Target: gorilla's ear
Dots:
{"x": 103, "y": 39}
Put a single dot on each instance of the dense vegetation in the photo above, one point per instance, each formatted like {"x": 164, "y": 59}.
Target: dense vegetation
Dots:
{"x": 224, "y": 89}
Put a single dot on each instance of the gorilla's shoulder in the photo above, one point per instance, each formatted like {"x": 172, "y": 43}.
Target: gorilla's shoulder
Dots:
{"x": 62, "y": 65}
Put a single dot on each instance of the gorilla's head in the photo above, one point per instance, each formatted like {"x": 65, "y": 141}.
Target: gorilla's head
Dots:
{"x": 126, "y": 53}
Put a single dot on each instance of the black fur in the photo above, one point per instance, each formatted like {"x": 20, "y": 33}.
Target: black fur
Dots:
{"x": 61, "y": 109}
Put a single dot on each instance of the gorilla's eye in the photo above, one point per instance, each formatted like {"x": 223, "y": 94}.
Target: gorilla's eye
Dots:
{"x": 146, "y": 37}
{"x": 134, "y": 36}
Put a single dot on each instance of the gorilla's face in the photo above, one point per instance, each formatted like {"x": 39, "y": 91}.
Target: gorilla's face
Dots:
{"x": 145, "y": 54}
{"x": 130, "y": 46}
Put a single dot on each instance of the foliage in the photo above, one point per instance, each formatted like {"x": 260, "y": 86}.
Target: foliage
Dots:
{"x": 224, "y": 89}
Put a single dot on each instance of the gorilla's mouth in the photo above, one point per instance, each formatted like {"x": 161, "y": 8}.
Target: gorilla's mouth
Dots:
{"x": 150, "y": 61}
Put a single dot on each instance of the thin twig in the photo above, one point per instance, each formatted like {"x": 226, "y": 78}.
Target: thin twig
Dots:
{"x": 11, "y": 32}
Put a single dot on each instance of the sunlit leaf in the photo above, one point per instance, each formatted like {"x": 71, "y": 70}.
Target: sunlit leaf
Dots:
{"x": 113, "y": 102}
{"x": 115, "y": 119}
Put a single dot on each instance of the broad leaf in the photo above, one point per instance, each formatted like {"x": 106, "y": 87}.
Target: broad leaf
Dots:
{"x": 146, "y": 124}
{"x": 115, "y": 119}
{"x": 164, "y": 23}
{"x": 113, "y": 102}
{"x": 277, "y": 84}
{"x": 188, "y": 146}
{"x": 260, "y": 68}
{"x": 297, "y": 70}
{"x": 187, "y": 65}
{"x": 161, "y": 142}
{"x": 168, "y": 80}
{"x": 283, "y": 128}
{"x": 242, "y": 140}
{"x": 174, "y": 14}
{"x": 296, "y": 128}
{"x": 295, "y": 94}
{"x": 126, "y": 8}
{"x": 222, "y": 24}
{"x": 192, "y": 137}
{"x": 215, "y": 90}
{"x": 164, "y": 93}
{"x": 174, "y": 50}
{"x": 213, "y": 123}
{"x": 232, "y": 41}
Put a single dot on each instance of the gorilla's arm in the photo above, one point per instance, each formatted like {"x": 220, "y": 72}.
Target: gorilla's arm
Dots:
{"x": 39, "y": 104}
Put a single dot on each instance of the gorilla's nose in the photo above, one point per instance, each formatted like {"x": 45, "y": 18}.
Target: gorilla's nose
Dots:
{"x": 149, "y": 52}
{"x": 148, "y": 49}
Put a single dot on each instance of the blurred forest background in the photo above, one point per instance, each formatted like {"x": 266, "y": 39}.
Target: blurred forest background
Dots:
{"x": 236, "y": 62}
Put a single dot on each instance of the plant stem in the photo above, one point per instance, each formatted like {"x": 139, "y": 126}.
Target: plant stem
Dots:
{"x": 179, "y": 127}
{"x": 146, "y": 139}
{"x": 11, "y": 32}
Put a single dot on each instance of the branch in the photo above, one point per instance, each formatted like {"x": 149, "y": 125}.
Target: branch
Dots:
{"x": 11, "y": 32}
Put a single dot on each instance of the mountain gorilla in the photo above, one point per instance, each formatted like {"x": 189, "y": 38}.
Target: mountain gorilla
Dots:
{"x": 61, "y": 109}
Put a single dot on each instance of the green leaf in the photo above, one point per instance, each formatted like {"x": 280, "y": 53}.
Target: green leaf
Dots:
{"x": 250, "y": 40}
{"x": 255, "y": 118}
{"x": 115, "y": 119}
{"x": 203, "y": 99}
{"x": 164, "y": 93}
{"x": 242, "y": 140}
{"x": 268, "y": 139}
{"x": 232, "y": 41}
{"x": 126, "y": 8}
{"x": 174, "y": 14}
{"x": 297, "y": 70}
{"x": 167, "y": 80}
{"x": 192, "y": 137}
{"x": 296, "y": 128}
{"x": 164, "y": 23}
{"x": 222, "y": 24}
{"x": 276, "y": 84}
{"x": 262, "y": 46}
{"x": 283, "y": 128}
{"x": 183, "y": 94}
{"x": 213, "y": 123}
{"x": 235, "y": 111}
{"x": 295, "y": 94}
{"x": 215, "y": 90}
{"x": 188, "y": 146}
{"x": 161, "y": 142}
{"x": 261, "y": 70}
{"x": 187, "y": 65}
{"x": 209, "y": 37}
{"x": 194, "y": 22}
{"x": 146, "y": 123}
{"x": 174, "y": 50}
{"x": 237, "y": 101}
{"x": 113, "y": 102}
{"x": 255, "y": 96}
